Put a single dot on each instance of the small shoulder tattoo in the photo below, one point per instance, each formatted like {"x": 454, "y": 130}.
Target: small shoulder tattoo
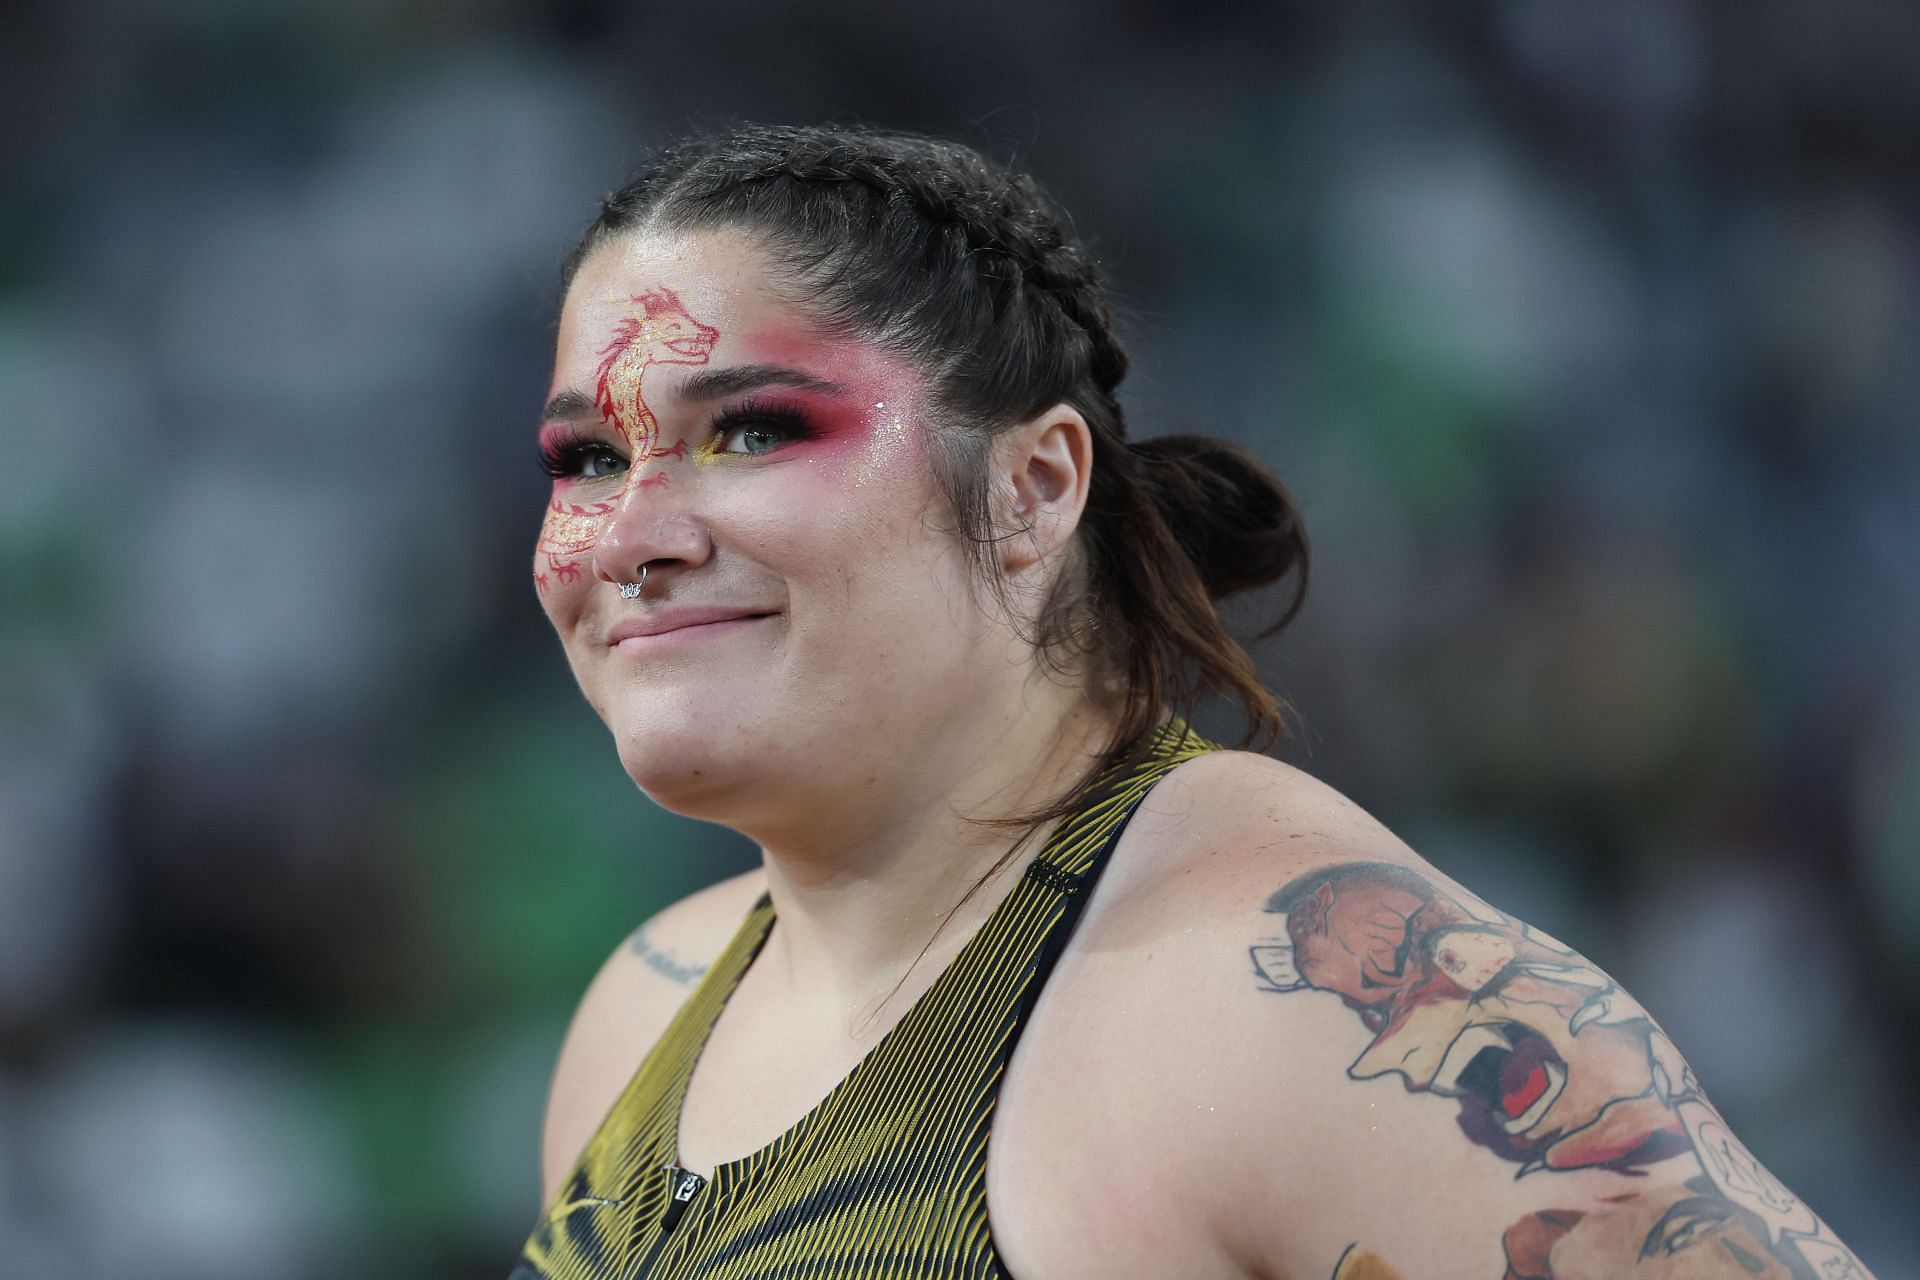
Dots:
{"x": 663, "y": 961}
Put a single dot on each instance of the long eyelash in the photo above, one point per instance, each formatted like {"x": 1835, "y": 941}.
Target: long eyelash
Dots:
{"x": 562, "y": 452}
{"x": 757, "y": 413}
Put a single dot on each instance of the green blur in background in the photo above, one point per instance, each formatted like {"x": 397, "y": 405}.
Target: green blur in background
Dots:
{"x": 1583, "y": 334}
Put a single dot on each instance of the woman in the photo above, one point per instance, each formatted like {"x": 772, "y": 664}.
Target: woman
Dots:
{"x": 848, "y": 548}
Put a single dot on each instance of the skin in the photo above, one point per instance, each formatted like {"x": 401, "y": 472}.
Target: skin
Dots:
{"x": 1166, "y": 1112}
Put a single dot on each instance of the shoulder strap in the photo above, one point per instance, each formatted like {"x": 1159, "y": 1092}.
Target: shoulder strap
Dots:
{"x": 1071, "y": 863}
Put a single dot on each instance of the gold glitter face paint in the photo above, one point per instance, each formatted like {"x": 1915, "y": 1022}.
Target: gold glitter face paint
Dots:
{"x": 571, "y": 529}
{"x": 659, "y": 330}
{"x": 661, "y": 333}
{"x": 889, "y": 434}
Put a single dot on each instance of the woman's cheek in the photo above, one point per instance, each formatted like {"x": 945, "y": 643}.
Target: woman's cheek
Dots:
{"x": 569, "y": 529}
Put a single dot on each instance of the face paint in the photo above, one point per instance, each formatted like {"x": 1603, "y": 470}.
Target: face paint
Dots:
{"x": 659, "y": 331}
{"x": 889, "y": 434}
{"x": 570, "y": 529}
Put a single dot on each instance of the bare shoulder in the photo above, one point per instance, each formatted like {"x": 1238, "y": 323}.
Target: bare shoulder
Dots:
{"x": 1229, "y": 818}
{"x": 1292, "y": 993}
{"x": 628, "y": 1005}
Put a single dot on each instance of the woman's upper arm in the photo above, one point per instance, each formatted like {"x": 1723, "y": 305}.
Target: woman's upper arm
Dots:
{"x": 1435, "y": 1088}
{"x": 625, "y": 1010}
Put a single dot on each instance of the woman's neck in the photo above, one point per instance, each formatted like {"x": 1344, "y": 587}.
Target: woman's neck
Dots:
{"x": 892, "y": 876}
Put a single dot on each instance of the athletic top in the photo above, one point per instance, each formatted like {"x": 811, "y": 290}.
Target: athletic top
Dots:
{"x": 887, "y": 1176}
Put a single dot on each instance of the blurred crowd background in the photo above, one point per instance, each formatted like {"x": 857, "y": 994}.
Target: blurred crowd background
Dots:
{"x": 1585, "y": 334}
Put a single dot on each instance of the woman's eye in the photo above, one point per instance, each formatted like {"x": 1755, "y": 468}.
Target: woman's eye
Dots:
{"x": 755, "y": 427}
{"x": 571, "y": 458}
{"x": 758, "y": 438}
{"x": 599, "y": 461}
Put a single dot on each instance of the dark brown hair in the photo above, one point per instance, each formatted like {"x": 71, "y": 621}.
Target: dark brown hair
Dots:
{"x": 968, "y": 270}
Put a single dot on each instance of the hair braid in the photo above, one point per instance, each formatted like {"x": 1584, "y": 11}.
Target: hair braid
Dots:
{"x": 1000, "y": 213}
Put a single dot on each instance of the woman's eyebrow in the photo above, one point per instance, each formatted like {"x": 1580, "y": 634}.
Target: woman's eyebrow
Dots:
{"x": 569, "y": 406}
{"x": 750, "y": 377}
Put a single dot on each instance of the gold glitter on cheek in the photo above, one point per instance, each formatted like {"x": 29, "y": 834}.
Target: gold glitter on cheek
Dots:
{"x": 889, "y": 437}
{"x": 571, "y": 529}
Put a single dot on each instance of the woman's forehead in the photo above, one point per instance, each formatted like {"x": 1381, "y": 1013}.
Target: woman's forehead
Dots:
{"x": 721, "y": 280}
{"x": 719, "y": 277}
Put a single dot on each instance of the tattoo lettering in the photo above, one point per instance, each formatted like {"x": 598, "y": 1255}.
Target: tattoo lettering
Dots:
{"x": 664, "y": 962}
{"x": 1551, "y": 1066}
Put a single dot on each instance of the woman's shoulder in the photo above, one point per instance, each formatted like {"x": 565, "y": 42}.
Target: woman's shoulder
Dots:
{"x": 1157, "y": 1009}
{"x": 679, "y": 942}
{"x": 1187, "y": 901}
{"x": 1228, "y": 817}
{"x": 1167, "y": 959}
{"x": 629, "y": 1004}
{"x": 1286, "y": 991}
{"x": 656, "y": 965}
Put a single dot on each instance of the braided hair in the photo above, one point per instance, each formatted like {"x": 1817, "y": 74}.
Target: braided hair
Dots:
{"x": 969, "y": 271}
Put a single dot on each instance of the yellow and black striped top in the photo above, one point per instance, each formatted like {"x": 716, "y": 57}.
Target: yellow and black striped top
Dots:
{"x": 886, "y": 1177}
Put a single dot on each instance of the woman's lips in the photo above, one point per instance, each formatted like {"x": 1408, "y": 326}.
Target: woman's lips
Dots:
{"x": 679, "y": 626}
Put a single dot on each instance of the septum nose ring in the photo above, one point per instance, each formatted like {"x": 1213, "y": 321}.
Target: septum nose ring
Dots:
{"x": 632, "y": 590}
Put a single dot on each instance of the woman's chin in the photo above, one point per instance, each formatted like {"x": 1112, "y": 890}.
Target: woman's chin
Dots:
{"x": 684, "y": 771}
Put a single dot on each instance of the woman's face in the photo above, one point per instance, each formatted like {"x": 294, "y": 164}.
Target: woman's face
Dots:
{"x": 804, "y": 609}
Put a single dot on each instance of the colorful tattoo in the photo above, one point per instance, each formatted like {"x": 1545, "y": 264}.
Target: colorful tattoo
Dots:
{"x": 1357, "y": 1263}
{"x": 658, "y": 332}
{"x": 1552, "y": 1066}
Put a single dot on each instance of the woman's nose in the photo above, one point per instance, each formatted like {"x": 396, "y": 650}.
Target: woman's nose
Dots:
{"x": 647, "y": 528}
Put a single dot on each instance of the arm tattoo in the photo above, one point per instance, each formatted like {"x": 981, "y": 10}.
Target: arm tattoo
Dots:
{"x": 663, "y": 961}
{"x": 1516, "y": 1030}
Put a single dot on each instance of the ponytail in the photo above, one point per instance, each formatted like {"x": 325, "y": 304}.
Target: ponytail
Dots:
{"x": 1230, "y": 514}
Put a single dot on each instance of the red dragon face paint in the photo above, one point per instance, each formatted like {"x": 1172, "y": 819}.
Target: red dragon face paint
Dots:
{"x": 659, "y": 331}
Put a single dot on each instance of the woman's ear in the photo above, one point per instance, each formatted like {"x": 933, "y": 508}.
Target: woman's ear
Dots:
{"x": 1046, "y": 466}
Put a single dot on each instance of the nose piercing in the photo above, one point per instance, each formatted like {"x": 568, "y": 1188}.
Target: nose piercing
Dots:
{"x": 631, "y": 590}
